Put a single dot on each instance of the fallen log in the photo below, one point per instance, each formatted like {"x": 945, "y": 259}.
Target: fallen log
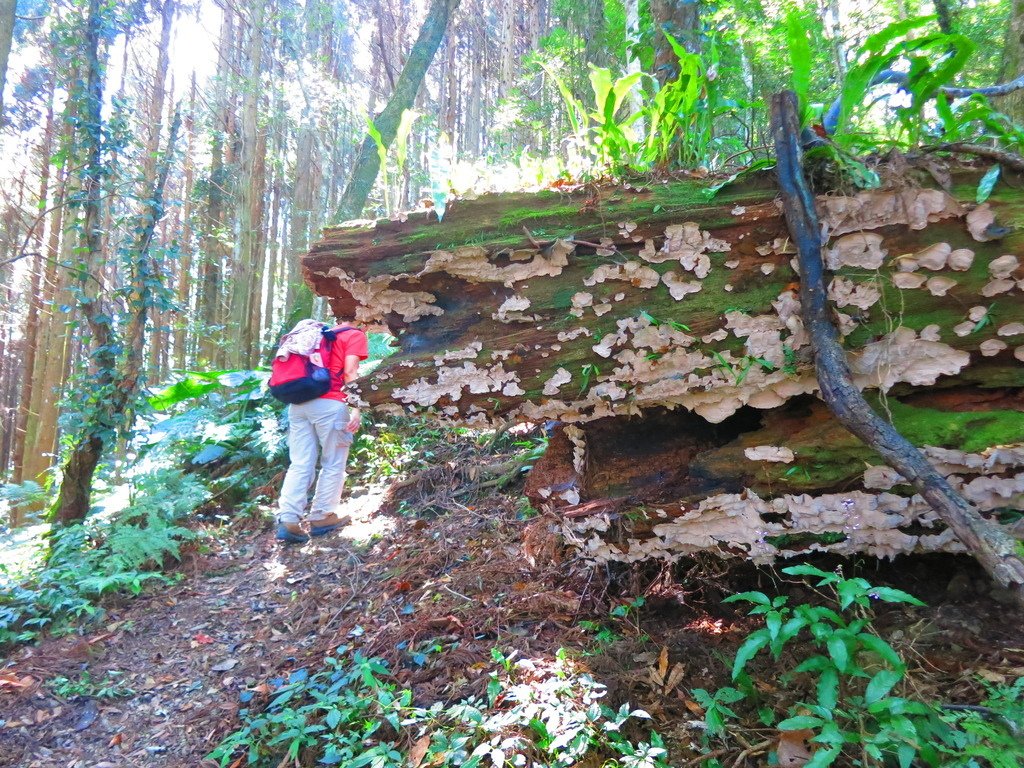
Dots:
{"x": 662, "y": 330}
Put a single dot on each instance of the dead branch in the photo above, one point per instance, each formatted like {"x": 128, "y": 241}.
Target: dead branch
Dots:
{"x": 992, "y": 546}
{"x": 1009, "y": 159}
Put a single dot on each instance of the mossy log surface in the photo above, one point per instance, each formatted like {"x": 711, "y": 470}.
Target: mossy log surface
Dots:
{"x": 662, "y": 329}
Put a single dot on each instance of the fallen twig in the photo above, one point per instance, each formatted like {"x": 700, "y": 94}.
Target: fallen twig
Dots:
{"x": 1001, "y": 156}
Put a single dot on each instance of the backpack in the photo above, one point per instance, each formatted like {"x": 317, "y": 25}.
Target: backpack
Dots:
{"x": 296, "y": 379}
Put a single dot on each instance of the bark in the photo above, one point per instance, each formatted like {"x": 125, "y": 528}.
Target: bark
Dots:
{"x": 159, "y": 342}
{"x": 945, "y": 16}
{"x": 212, "y": 243}
{"x": 182, "y": 339}
{"x": 1009, "y": 159}
{"x": 50, "y": 370}
{"x": 681, "y": 20}
{"x": 7, "y": 12}
{"x": 120, "y": 376}
{"x": 35, "y": 297}
{"x": 1013, "y": 61}
{"x": 76, "y": 484}
{"x": 250, "y": 244}
{"x": 305, "y": 183}
{"x": 367, "y": 162}
{"x": 994, "y": 549}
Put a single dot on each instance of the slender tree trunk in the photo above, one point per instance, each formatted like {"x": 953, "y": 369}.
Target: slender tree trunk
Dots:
{"x": 84, "y": 456}
{"x": 473, "y": 121}
{"x": 367, "y": 163}
{"x": 120, "y": 377}
{"x": 306, "y": 182}
{"x": 212, "y": 245}
{"x": 158, "y": 96}
{"x": 833, "y": 23}
{"x": 50, "y": 370}
{"x": 182, "y": 339}
{"x": 945, "y": 16}
{"x": 1013, "y": 61}
{"x": 35, "y": 298}
{"x": 7, "y": 11}
{"x": 247, "y": 255}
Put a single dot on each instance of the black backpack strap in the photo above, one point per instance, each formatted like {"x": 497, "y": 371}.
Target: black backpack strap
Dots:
{"x": 330, "y": 336}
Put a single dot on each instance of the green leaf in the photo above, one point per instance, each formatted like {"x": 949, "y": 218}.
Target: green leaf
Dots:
{"x": 837, "y": 649}
{"x": 402, "y": 136}
{"x": 800, "y": 722}
{"x": 810, "y": 570}
{"x": 880, "y": 647}
{"x": 748, "y": 650}
{"x": 800, "y": 60}
{"x": 823, "y": 758}
{"x": 759, "y": 598}
{"x": 891, "y": 595}
{"x": 828, "y": 689}
{"x": 987, "y": 183}
{"x": 382, "y": 151}
{"x": 881, "y": 684}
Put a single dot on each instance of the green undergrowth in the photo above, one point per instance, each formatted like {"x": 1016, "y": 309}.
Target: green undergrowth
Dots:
{"x": 76, "y": 567}
{"x": 535, "y": 712}
{"x": 846, "y": 694}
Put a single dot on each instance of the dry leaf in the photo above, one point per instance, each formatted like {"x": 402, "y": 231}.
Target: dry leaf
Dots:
{"x": 419, "y": 751}
{"x": 793, "y": 751}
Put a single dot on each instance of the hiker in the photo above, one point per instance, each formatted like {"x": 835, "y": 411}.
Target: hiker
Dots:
{"x": 311, "y": 368}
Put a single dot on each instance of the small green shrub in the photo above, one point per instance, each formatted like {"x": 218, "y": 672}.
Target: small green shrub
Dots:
{"x": 859, "y": 708}
{"x": 110, "y": 687}
{"x": 536, "y": 712}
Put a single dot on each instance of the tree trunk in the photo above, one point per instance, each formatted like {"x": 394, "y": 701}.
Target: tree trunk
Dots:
{"x": 73, "y": 499}
{"x": 35, "y": 298}
{"x": 7, "y": 12}
{"x": 212, "y": 239}
{"x": 666, "y": 329}
{"x": 248, "y": 255}
{"x": 367, "y": 163}
{"x": 299, "y": 303}
{"x": 182, "y": 339}
{"x": 681, "y": 20}
{"x": 1013, "y": 61}
{"x": 120, "y": 378}
{"x": 993, "y": 547}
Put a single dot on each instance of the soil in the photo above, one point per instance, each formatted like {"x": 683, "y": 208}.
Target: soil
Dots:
{"x": 459, "y": 584}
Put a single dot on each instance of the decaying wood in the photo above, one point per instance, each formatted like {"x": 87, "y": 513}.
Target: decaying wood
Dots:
{"x": 993, "y": 547}
{"x": 661, "y": 329}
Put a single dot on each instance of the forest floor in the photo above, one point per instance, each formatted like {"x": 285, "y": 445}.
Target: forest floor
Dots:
{"x": 160, "y": 680}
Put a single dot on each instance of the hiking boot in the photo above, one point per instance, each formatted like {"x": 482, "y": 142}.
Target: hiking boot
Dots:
{"x": 327, "y": 524}
{"x": 291, "y": 533}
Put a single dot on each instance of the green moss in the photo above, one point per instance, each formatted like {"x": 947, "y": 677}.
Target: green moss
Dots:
{"x": 517, "y": 216}
{"x": 968, "y": 431}
{"x": 829, "y": 458}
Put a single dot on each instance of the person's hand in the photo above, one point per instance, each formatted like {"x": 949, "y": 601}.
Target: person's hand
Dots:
{"x": 354, "y": 421}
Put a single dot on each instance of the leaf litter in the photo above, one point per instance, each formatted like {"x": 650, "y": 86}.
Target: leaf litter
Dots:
{"x": 445, "y": 582}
